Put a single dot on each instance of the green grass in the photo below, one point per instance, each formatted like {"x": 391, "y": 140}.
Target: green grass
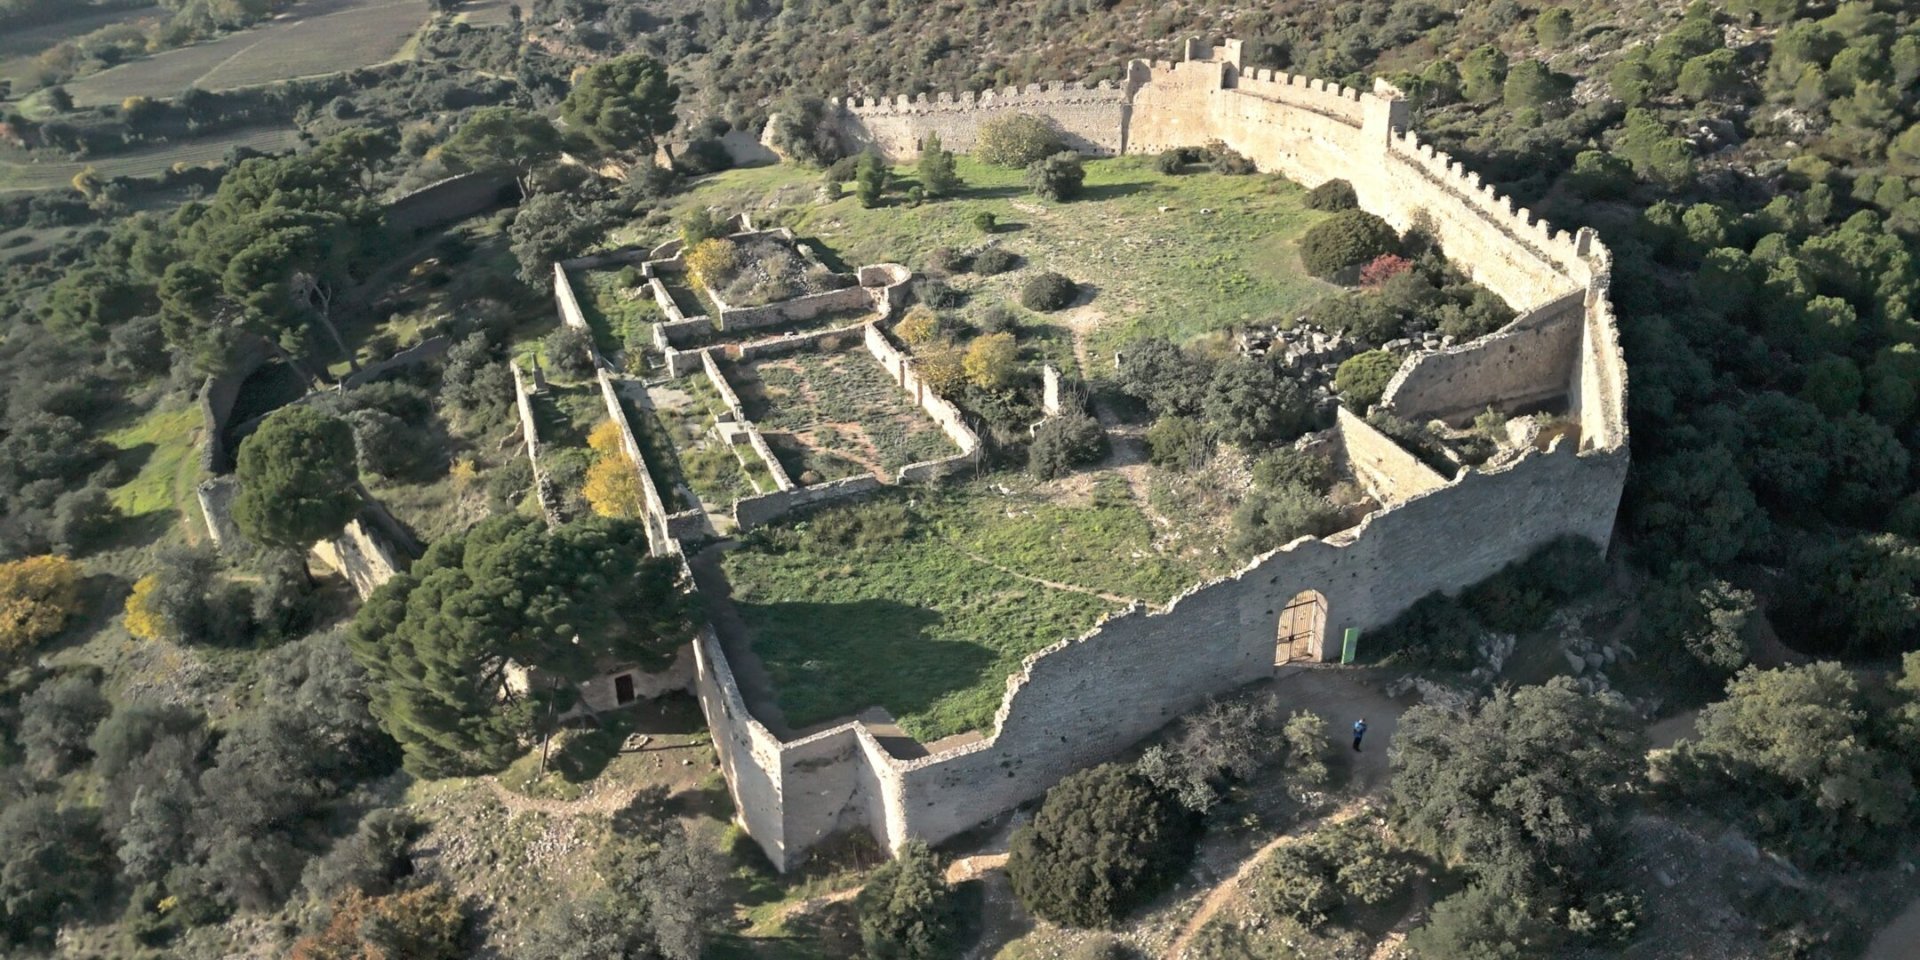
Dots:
{"x": 921, "y": 628}
{"x": 609, "y": 313}
{"x": 1178, "y": 273}
{"x": 169, "y": 463}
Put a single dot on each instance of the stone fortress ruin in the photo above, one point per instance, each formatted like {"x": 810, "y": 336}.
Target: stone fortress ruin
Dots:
{"x": 1556, "y": 372}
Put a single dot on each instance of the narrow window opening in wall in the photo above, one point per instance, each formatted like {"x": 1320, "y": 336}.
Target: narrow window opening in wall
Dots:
{"x": 623, "y": 688}
{"x": 1302, "y": 625}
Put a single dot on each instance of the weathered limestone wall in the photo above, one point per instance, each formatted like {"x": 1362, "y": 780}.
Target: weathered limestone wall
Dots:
{"x": 432, "y": 348}
{"x": 754, "y": 439}
{"x": 530, "y": 438}
{"x": 796, "y": 342}
{"x": 455, "y": 198}
{"x": 750, "y": 755}
{"x": 363, "y": 557}
{"x": 216, "y": 508}
{"x": 1092, "y": 118}
{"x": 942, "y": 410}
{"x": 1391, "y": 474}
{"x": 788, "y": 311}
{"x": 750, "y": 512}
{"x": 1529, "y": 362}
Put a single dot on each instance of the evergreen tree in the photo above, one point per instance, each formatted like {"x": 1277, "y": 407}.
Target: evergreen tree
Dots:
{"x": 937, "y": 175}
{"x": 299, "y": 480}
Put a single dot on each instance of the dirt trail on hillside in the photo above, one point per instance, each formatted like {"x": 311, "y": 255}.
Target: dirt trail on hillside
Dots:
{"x": 1228, "y": 891}
{"x": 1053, "y": 584}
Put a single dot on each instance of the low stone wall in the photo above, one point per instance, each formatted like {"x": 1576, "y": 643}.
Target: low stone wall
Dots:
{"x": 624, "y": 255}
{"x": 900, "y": 367}
{"x": 795, "y": 342}
{"x": 754, "y": 439}
{"x": 216, "y": 508}
{"x": 888, "y": 282}
{"x": 217, "y": 398}
{"x": 1387, "y": 471}
{"x": 750, "y": 512}
{"x": 432, "y": 348}
{"x": 929, "y": 470}
{"x": 455, "y": 198}
{"x": 530, "y": 438}
{"x": 792, "y": 311}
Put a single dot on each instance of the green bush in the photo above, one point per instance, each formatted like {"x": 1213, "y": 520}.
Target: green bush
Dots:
{"x": 1363, "y": 377}
{"x": 1289, "y": 467}
{"x": 1072, "y": 439}
{"x": 906, "y": 909}
{"x": 1270, "y": 519}
{"x": 1247, "y": 401}
{"x": 994, "y": 261}
{"x": 1178, "y": 442}
{"x": 1350, "y": 238}
{"x": 1333, "y": 197}
{"x": 1017, "y": 139}
{"x": 1048, "y": 292}
{"x": 1059, "y": 177}
{"x": 985, "y": 222}
{"x": 1104, "y": 842}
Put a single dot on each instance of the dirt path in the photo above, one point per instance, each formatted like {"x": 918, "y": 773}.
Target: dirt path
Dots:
{"x": 599, "y": 803}
{"x": 1055, "y": 584}
{"x": 1227, "y": 892}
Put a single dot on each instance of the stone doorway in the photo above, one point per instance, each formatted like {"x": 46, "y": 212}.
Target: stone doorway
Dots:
{"x": 1302, "y": 627}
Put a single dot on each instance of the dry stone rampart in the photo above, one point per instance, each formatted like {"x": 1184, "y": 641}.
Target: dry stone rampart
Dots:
{"x": 362, "y": 556}
{"x": 781, "y": 481}
{"x": 1084, "y": 700}
{"x": 530, "y": 438}
{"x": 750, "y": 512}
{"x": 796, "y": 309}
{"x": 898, "y": 366}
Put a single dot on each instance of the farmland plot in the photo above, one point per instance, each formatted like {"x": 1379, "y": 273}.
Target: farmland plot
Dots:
{"x": 148, "y": 162}
{"x": 320, "y": 37}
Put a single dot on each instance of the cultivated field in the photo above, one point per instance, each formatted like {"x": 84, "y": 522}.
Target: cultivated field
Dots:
{"x": 20, "y": 45}
{"x": 318, "y": 38}
{"x": 148, "y": 162}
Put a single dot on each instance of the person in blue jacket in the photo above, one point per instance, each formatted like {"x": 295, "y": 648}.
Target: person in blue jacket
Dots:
{"x": 1359, "y": 730}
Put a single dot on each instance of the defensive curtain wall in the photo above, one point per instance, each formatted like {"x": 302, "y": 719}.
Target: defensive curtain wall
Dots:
{"x": 1084, "y": 699}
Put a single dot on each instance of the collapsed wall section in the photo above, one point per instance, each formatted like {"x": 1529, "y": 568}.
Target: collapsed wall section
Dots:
{"x": 1530, "y": 362}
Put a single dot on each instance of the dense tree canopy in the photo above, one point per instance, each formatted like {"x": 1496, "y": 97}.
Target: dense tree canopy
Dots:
{"x": 440, "y": 641}
{"x": 299, "y": 480}
{"x": 1104, "y": 842}
{"x": 625, "y": 103}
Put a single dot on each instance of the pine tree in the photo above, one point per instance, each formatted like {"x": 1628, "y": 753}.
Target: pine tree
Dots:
{"x": 937, "y": 175}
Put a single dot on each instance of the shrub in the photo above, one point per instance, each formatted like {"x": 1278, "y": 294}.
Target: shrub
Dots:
{"x": 55, "y": 721}
{"x": 570, "y": 350}
{"x": 1171, "y": 161}
{"x": 1178, "y": 442}
{"x": 700, "y": 226}
{"x": 936, "y": 294}
{"x": 1554, "y": 26}
{"x": 870, "y": 180}
{"x": 1383, "y": 268}
{"x": 920, "y": 326}
{"x": 1016, "y": 140}
{"x": 1306, "y": 738}
{"x": 998, "y": 318}
{"x": 985, "y": 222}
{"x": 1289, "y": 467}
{"x": 1479, "y": 922}
{"x": 1059, "y": 177}
{"x": 1347, "y": 239}
{"x": 1363, "y": 377}
{"x": 1333, "y": 197}
{"x": 994, "y": 261}
{"x": 38, "y": 596}
{"x": 991, "y": 360}
{"x": 906, "y": 909}
{"x": 1248, "y": 402}
{"x": 1226, "y": 160}
{"x": 1048, "y": 291}
{"x": 1295, "y": 883}
{"x": 1104, "y": 842}
{"x": 1168, "y": 379}
{"x": 1270, "y": 519}
{"x": 1061, "y": 443}
{"x": 946, "y": 260}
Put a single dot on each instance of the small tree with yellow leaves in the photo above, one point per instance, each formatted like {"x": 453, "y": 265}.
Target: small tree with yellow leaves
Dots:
{"x": 942, "y": 368}
{"x": 38, "y": 595}
{"x": 919, "y": 327}
{"x": 143, "y": 617}
{"x": 612, "y": 488}
{"x": 605, "y": 438}
{"x": 713, "y": 262}
{"x": 990, "y": 361}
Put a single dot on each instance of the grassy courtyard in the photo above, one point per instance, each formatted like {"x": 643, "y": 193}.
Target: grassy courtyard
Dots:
{"x": 926, "y": 605}
{"x": 1174, "y": 255}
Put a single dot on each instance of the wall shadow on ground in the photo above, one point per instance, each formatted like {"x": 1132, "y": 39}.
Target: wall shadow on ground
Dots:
{"x": 829, "y": 660}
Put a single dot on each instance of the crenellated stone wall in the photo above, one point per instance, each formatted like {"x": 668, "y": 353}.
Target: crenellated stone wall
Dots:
{"x": 1086, "y": 699}
{"x": 1090, "y": 117}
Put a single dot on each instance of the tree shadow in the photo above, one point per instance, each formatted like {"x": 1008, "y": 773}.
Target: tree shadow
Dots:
{"x": 990, "y": 193}
{"x": 829, "y": 661}
{"x": 825, "y": 254}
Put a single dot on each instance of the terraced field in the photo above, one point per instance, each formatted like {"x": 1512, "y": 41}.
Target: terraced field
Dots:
{"x": 148, "y": 162}
{"x": 320, "y": 37}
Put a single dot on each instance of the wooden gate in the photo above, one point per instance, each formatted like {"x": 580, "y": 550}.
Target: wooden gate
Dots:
{"x": 1301, "y": 625}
